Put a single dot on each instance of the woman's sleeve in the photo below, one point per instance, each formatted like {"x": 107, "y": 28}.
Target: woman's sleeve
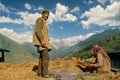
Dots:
{"x": 99, "y": 60}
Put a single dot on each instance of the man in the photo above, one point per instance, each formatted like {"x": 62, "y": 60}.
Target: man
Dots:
{"x": 41, "y": 41}
{"x": 102, "y": 63}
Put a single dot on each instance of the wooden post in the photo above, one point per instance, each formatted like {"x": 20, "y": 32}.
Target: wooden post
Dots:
{"x": 2, "y": 58}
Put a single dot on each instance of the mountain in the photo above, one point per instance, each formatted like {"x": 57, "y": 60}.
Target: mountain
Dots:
{"x": 31, "y": 48}
{"x": 56, "y": 53}
{"x": 95, "y": 39}
{"x": 90, "y": 41}
{"x": 18, "y": 52}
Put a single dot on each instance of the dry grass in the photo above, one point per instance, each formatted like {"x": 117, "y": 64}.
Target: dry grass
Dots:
{"x": 23, "y": 71}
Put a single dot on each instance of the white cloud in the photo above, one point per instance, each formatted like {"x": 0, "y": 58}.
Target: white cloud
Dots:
{"x": 67, "y": 42}
{"x": 114, "y": 1}
{"x": 51, "y": 18}
{"x": 102, "y": 1}
{"x": 28, "y": 18}
{"x": 25, "y": 18}
{"x": 4, "y": 19}
{"x": 76, "y": 9}
{"x": 90, "y": 2}
{"x": 20, "y": 38}
{"x": 28, "y": 6}
{"x": 62, "y": 13}
{"x": 3, "y": 8}
{"x": 39, "y": 8}
{"x": 98, "y": 15}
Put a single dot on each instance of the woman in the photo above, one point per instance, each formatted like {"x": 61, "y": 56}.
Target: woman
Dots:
{"x": 102, "y": 63}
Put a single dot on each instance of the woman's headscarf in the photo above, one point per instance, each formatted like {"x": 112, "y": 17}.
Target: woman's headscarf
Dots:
{"x": 98, "y": 49}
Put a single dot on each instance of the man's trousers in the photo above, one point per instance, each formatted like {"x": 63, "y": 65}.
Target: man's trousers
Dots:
{"x": 43, "y": 62}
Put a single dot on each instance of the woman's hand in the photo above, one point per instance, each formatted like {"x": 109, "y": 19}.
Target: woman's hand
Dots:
{"x": 91, "y": 65}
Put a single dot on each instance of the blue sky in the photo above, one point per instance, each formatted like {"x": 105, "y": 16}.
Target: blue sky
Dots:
{"x": 70, "y": 21}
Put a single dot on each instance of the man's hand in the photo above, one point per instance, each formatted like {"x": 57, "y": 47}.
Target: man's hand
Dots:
{"x": 43, "y": 43}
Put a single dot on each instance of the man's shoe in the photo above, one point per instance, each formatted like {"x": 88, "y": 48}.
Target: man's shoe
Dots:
{"x": 39, "y": 75}
{"x": 46, "y": 76}
{"x": 58, "y": 77}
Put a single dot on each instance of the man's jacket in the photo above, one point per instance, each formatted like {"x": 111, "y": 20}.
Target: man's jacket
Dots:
{"x": 41, "y": 34}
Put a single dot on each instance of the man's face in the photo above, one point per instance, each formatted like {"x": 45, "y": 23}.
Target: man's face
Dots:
{"x": 45, "y": 16}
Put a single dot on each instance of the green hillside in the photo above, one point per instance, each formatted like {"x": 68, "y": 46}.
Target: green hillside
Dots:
{"x": 18, "y": 52}
{"x": 31, "y": 48}
{"x": 57, "y": 53}
{"x": 92, "y": 40}
{"x": 109, "y": 44}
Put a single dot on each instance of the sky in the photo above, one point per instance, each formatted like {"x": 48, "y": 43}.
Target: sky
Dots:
{"x": 70, "y": 21}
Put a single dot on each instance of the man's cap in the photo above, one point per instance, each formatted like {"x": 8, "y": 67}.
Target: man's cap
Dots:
{"x": 45, "y": 11}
